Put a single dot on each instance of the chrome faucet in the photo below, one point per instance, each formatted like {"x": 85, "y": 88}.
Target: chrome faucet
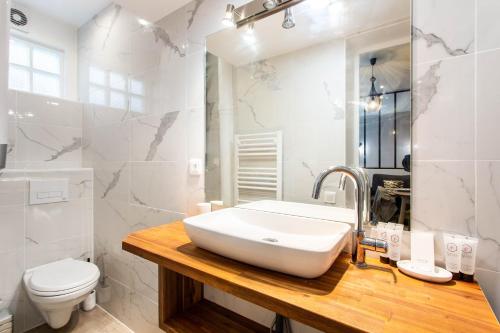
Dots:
{"x": 360, "y": 243}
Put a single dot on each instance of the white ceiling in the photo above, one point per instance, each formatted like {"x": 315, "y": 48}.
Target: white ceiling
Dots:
{"x": 78, "y": 12}
{"x": 152, "y": 10}
{"x": 315, "y": 23}
{"x": 74, "y": 12}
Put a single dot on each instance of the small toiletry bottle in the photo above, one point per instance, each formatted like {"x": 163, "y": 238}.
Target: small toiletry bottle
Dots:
{"x": 382, "y": 235}
{"x": 468, "y": 258}
{"x": 395, "y": 237}
{"x": 453, "y": 254}
{"x": 216, "y": 205}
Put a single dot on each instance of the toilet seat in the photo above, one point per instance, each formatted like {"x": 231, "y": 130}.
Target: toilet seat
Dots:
{"x": 62, "y": 277}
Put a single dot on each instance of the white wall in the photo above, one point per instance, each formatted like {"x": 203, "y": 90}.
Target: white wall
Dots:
{"x": 48, "y": 31}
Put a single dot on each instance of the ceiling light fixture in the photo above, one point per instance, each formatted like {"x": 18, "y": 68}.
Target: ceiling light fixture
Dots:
{"x": 374, "y": 100}
{"x": 288, "y": 21}
{"x": 249, "y": 35}
{"x": 269, "y": 4}
{"x": 250, "y": 29}
{"x": 228, "y": 19}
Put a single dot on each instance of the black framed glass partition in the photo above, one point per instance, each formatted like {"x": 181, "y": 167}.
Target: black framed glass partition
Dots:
{"x": 384, "y": 136}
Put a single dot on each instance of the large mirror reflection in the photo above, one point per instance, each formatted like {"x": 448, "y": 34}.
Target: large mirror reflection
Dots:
{"x": 325, "y": 83}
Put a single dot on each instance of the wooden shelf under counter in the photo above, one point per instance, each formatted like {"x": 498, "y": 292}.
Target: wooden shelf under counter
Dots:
{"x": 345, "y": 299}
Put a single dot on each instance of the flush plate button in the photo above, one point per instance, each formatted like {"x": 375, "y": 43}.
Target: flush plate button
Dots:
{"x": 43, "y": 191}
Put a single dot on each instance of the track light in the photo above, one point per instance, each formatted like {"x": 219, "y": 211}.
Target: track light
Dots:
{"x": 269, "y": 4}
{"x": 249, "y": 35}
{"x": 288, "y": 21}
{"x": 228, "y": 19}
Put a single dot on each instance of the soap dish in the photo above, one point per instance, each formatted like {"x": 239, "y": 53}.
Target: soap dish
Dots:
{"x": 439, "y": 275}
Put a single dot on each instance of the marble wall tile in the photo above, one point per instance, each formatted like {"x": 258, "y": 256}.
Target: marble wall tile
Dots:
{"x": 43, "y": 253}
{"x": 195, "y": 87}
{"x": 11, "y": 148}
{"x": 112, "y": 180}
{"x": 203, "y": 19}
{"x": 98, "y": 115}
{"x": 488, "y": 24}
{"x": 167, "y": 91}
{"x": 488, "y": 69}
{"x": 240, "y": 306}
{"x": 488, "y": 280}
{"x": 159, "y": 137}
{"x": 119, "y": 304}
{"x": 159, "y": 184}
{"x": 12, "y": 190}
{"x": 196, "y": 133}
{"x": 80, "y": 183}
{"x": 108, "y": 143}
{"x": 141, "y": 217}
{"x": 12, "y": 231}
{"x": 488, "y": 212}
{"x": 12, "y": 262}
{"x": 43, "y": 110}
{"x": 43, "y": 132}
{"x": 444, "y": 200}
{"x": 49, "y": 223}
{"x": 48, "y": 144}
{"x": 144, "y": 278}
{"x": 443, "y": 110}
{"x": 442, "y": 29}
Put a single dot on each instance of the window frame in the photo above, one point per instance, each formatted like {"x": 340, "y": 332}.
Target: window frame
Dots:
{"x": 32, "y": 70}
{"x": 106, "y": 87}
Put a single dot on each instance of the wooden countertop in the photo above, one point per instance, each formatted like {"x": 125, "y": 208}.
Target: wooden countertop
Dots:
{"x": 345, "y": 299}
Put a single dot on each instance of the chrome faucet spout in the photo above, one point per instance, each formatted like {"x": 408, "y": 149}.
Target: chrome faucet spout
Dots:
{"x": 361, "y": 183}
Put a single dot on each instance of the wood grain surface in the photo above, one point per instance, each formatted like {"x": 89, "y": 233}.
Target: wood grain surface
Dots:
{"x": 345, "y": 299}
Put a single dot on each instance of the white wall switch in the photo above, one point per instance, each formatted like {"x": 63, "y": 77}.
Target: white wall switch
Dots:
{"x": 43, "y": 191}
{"x": 195, "y": 167}
{"x": 329, "y": 197}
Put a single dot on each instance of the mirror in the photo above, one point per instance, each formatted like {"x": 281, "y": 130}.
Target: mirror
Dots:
{"x": 285, "y": 104}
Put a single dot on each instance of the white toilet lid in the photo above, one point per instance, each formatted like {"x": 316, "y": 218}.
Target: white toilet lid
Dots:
{"x": 63, "y": 275}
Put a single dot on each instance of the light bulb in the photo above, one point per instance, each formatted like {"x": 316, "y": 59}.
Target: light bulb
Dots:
{"x": 269, "y": 4}
{"x": 143, "y": 22}
{"x": 374, "y": 104}
{"x": 228, "y": 19}
{"x": 288, "y": 21}
{"x": 249, "y": 35}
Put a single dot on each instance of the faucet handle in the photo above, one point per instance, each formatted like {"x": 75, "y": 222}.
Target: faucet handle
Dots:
{"x": 373, "y": 244}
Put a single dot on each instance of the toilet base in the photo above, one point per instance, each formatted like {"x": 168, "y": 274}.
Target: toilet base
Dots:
{"x": 59, "y": 318}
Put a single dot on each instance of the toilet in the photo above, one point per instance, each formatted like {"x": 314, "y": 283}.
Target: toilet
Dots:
{"x": 56, "y": 288}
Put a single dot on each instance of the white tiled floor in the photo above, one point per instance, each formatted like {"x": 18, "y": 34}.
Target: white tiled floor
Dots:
{"x": 95, "y": 321}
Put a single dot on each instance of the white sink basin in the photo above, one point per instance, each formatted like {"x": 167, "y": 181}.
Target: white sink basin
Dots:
{"x": 330, "y": 213}
{"x": 300, "y": 246}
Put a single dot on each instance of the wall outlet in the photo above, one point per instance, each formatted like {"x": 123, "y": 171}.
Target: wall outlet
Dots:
{"x": 195, "y": 167}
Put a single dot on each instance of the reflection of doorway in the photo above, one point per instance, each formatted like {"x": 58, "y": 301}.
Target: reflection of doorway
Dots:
{"x": 384, "y": 136}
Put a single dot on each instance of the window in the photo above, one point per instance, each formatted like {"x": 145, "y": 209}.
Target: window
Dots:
{"x": 115, "y": 90}
{"x": 35, "y": 68}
